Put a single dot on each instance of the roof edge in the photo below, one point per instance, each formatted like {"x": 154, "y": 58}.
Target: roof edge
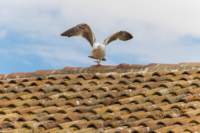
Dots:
{"x": 106, "y": 69}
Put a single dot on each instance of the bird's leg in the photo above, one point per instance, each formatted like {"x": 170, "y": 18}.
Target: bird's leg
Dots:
{"x": 98, "y": 62}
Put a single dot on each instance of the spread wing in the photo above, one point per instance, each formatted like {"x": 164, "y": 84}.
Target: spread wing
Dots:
{"x": 121, "y": 35}
{"x": 83, "y": 30}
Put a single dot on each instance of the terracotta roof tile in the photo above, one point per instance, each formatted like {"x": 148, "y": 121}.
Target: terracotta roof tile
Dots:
{"x": 120, "y": 99}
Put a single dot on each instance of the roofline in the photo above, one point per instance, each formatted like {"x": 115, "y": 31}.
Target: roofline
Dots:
{"x": 107, "y": 69}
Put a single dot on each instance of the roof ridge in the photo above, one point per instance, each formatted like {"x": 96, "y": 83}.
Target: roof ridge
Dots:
{"x": 152, "y": 67}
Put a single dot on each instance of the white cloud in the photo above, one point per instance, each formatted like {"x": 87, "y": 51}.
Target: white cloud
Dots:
{"x": 180, "y": 16}
{"x": 157, "y": 25}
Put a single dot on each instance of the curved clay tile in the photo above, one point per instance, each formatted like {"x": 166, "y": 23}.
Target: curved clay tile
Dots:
{"x": 124, "y": 98}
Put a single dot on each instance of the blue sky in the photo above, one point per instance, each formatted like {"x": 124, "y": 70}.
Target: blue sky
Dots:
{"x": 165, "y": 32}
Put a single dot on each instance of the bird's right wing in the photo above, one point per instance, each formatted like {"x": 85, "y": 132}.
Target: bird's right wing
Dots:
{"x": 121, "y": 35}
{"x": 83, "y": 30}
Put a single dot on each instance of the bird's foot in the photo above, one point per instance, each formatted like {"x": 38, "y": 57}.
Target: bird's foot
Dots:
{"x": 98, "y": 63}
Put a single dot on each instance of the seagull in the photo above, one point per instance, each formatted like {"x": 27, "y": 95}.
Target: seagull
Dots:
{"x": 98, "y": 49}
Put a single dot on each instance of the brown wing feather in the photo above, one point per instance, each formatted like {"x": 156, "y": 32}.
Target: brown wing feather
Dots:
{"x": 82, "y": 29}
{"x": 121, "y": 35}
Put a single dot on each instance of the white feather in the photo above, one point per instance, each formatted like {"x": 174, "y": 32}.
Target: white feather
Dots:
{"x": 98, "y": 51}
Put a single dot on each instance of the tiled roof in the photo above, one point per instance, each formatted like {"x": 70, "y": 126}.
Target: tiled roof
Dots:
{"x": 124, "y": 98}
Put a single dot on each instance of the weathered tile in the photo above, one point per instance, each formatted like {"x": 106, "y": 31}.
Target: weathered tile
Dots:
{"x": 119, "y": 99}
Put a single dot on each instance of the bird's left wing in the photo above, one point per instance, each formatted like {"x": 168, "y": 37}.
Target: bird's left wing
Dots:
{"x": 83, "y": 30}
{"x": 121, "y": 35}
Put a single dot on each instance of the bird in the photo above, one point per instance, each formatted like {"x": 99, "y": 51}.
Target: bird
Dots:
{"x": 98, "y": 49}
